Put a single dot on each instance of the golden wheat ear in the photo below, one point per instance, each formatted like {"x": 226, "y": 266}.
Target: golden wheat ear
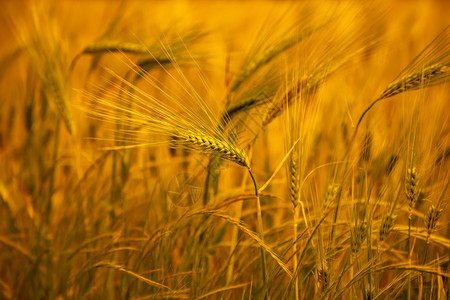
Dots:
{"x": 431, "y": 67}
{"x": 222, "y": 147}
{"x": 321, "y": 64}
{"x": 47, "y": 58}
{"x": 171, "y": 120}
{"x": 160, "y": 51}
{"x": 255, "y": 61}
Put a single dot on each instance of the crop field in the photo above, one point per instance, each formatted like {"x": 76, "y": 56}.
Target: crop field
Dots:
{"x": 224, "y": 149}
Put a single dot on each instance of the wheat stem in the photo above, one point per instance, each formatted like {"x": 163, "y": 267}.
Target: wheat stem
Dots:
{"x": 409, "y": 257}
{"x": 263, "y": 254}
{"x": 294, "y": 249}
{"x": 254, "y": 182}
{"x": 261, "y": 234}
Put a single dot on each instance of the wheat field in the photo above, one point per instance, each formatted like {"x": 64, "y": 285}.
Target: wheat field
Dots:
{"x": 224, "y": 150}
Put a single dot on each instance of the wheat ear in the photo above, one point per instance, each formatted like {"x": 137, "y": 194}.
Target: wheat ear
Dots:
{"x": 302, "y": 88}
{"x": 430, "y": 67}
{"x": 412, "y": 188}
{"x": 387, "y": 222}
{"x": 212, "y": 144}
{"x": 255, "y": 62}
{"x": 293, "y": 178}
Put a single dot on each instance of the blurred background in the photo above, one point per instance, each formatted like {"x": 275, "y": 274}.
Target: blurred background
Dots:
{"x": 83, "y": 218}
